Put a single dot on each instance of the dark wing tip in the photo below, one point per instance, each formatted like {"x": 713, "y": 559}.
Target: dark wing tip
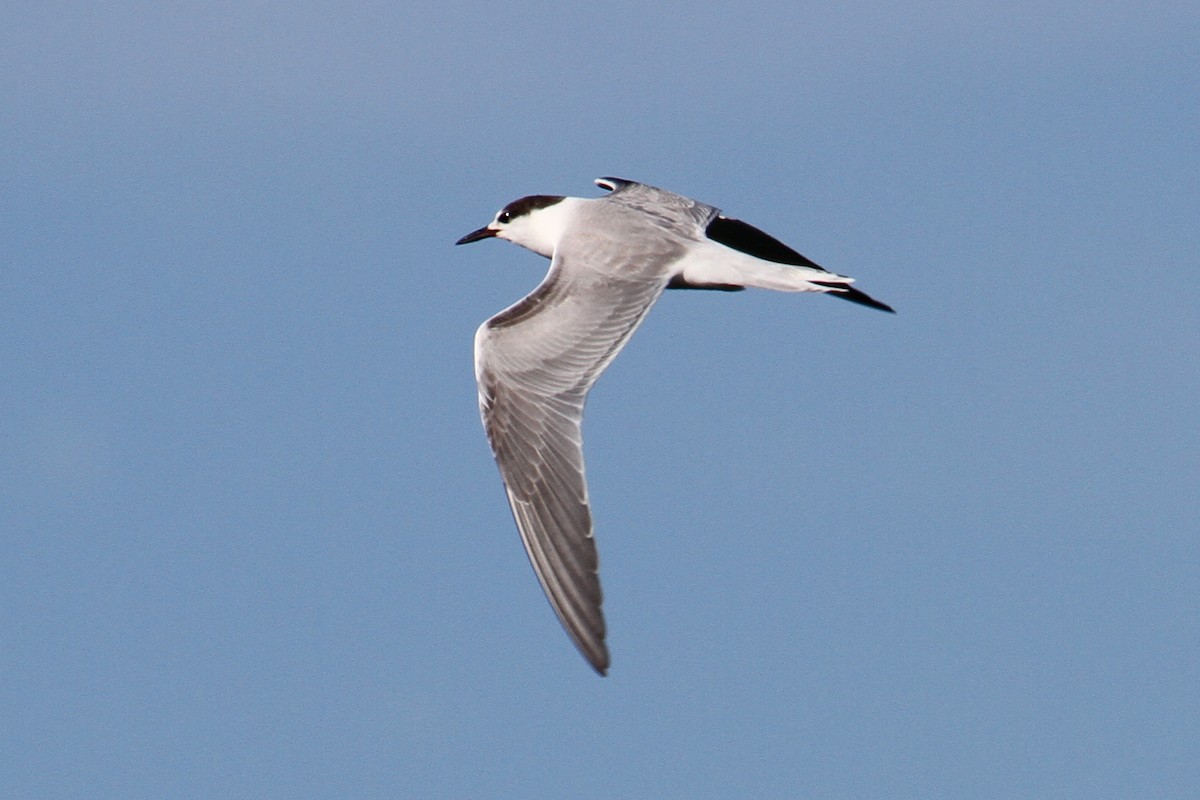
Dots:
{"x": 612, "y": 184}
{"x": 589, "y": 642}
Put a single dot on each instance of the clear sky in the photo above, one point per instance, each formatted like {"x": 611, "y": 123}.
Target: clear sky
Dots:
{"x": 253, "y": 541}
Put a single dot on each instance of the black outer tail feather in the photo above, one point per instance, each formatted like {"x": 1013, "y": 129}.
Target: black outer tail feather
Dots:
{"x": 855, "y": 296}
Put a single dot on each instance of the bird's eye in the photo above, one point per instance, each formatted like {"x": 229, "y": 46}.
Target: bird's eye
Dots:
{"x": 504, "y": 216}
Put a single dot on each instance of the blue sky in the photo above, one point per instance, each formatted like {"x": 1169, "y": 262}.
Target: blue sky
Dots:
{"x": 255, "y": 544}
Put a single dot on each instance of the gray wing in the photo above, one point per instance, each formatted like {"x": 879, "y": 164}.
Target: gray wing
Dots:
{"x": 535, "y": 363}
{"x": 668, "y": 207}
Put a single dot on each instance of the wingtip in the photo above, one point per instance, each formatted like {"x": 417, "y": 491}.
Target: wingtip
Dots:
{"x": 612, "y": 184}
{"x": 595, "y": 653}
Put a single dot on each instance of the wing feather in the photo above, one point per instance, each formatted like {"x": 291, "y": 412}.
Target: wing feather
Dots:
{"x": 535, "y": 363}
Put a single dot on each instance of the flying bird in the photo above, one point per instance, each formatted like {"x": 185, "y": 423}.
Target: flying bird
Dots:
{"x": 611, "y": 257}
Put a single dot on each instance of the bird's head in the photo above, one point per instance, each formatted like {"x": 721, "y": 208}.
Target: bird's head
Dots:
{"x": 536, "y": 222}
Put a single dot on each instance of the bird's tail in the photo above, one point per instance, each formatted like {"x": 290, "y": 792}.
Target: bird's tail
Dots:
{"x": 847, "y": 292}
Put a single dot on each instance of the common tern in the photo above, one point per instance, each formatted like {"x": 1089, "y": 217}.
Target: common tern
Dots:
{"x": 611, "y": 257}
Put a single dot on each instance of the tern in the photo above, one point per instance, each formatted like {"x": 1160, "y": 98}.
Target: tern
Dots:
{"x": 611, "y": 257}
